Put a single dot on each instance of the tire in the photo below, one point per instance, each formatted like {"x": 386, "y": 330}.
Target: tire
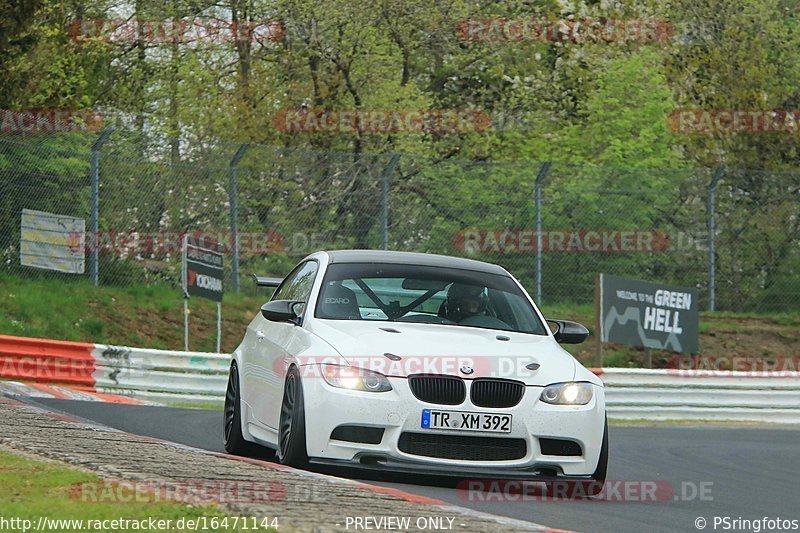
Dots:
{"x": 599, "y": 475}
{"x": 232, "y": 418}
{"x": 292, "y": 426}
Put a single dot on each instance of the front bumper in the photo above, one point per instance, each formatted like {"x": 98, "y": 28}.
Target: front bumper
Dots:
{"x": 374, "y": 463}
{"x": 398, "y": 411}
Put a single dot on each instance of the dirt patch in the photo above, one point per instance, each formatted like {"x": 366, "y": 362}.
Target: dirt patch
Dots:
{"x": 721, "y": 336}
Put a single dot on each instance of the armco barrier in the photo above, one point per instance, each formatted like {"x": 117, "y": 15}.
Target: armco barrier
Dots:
{"x": 194, "y": 378}
{"x": 158, "y": 375}
{"x": 46, "y": 361}
{"x": 641, "y": 394}
{"x": 162, "y": 375}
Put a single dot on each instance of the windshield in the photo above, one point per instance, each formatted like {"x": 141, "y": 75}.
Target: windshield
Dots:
{"x": 425, "y": 294}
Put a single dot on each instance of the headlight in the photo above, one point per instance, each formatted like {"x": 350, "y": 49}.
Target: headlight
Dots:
{"x": 352, "y": 378}
{"x": 576, "y": 393}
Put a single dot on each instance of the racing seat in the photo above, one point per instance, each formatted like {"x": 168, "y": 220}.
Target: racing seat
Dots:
{"x": 338, "y": 302}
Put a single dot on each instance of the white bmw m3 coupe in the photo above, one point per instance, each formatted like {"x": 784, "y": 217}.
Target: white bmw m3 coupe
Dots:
{"x": 414, "y": 363}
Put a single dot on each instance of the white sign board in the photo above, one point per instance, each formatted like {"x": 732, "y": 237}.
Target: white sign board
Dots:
{"x": 52, "y": 242}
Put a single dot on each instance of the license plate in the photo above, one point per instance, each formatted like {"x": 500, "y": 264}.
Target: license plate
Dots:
{"x": 466, "y": 421}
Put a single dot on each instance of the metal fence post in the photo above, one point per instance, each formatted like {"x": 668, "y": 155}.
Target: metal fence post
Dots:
{"x": 385, "y": 200}
{"x": 94, "y": 178}
{"x": 712, "y": 240}
{"x": 538, "y": 207}
{"x": 234, "y": 206}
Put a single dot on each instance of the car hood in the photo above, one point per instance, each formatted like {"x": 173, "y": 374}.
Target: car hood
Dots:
{"x": 401, "y": 349}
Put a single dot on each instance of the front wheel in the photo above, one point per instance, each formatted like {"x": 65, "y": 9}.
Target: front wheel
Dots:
{"x": 232, "y": 418}
{"x": 292, "y": 425}
{"x": 599, "y": 475}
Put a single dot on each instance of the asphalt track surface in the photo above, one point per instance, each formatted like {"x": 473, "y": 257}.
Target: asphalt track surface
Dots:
{"x": 753, "y": 471}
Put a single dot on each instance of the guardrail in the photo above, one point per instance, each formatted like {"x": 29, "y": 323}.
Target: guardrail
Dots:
{"x": 195, "y": 378}
{"x": 164, "y": 376}
{"x": 46, "y": 361}
{"x": 642, "y": 394}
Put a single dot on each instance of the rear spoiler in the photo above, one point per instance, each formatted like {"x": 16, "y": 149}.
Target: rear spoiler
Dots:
{"x": 262, "y": 281}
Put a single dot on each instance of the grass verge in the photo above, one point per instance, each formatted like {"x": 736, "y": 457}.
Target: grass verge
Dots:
{"x": 33, "y": 489}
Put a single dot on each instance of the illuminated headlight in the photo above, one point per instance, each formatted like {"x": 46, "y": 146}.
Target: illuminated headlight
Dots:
{"x": 352, "y": 378}
{"x": 576, "y": 393}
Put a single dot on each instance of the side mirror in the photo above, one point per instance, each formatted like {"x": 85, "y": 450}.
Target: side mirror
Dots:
{"x": 281, "y": 311}
{"x": 568, "y": 332}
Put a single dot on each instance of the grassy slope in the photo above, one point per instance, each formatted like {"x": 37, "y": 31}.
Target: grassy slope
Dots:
{"x": 33, "y": 488}
{"x": 145, "y": 316}
{"x": 151, "y": 317}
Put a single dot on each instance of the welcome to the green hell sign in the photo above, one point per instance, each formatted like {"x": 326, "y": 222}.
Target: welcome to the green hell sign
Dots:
{"x": 658, "y": 318}
{"x": 647, "y": 314}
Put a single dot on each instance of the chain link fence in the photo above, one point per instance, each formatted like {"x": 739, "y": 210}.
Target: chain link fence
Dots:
{"x": 733, "y": 234}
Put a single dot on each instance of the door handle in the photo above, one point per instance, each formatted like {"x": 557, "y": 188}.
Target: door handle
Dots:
{"x": 260, "y": 336}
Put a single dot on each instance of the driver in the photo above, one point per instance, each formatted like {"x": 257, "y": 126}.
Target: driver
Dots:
{"x": 464, "y": 301}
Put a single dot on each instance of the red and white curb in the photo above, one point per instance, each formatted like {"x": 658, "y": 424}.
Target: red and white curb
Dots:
{"x": 40, "y": 390}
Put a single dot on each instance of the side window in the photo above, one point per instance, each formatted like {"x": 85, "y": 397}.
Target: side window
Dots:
{"x": 297, "y": 286}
